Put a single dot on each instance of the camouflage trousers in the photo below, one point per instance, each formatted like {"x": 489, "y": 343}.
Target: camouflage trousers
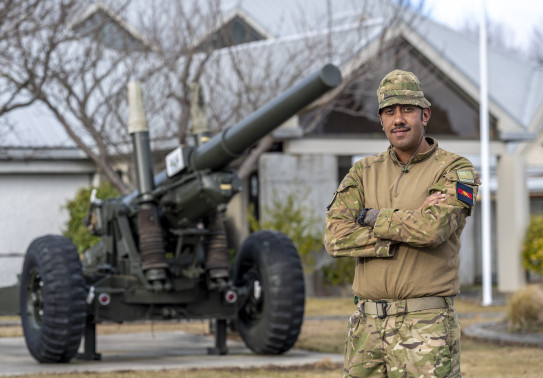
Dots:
{"x": 415, "y": 344}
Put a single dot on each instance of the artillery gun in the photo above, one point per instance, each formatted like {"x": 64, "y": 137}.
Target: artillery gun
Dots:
{"x": 163, "y": 252}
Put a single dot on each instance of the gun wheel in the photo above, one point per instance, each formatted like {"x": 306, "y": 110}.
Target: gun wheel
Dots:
{"x": 270, "y": 319}
{"x": 52, "y": 299}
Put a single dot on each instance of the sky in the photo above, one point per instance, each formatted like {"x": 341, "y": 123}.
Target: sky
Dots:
{"x": 518, "y": 16}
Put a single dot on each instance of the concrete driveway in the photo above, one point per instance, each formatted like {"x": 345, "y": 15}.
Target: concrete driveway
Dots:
{"x": 147, "y": 351}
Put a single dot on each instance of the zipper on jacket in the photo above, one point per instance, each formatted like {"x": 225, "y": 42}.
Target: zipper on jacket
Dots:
{"x": 398, "y": 182}
{"x": 404, "y": 167}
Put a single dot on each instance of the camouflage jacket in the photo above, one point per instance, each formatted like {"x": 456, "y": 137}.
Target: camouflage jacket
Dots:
{"x": 410, "y": 252}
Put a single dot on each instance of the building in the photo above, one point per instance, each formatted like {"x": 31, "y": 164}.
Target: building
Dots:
{"x": 315, "y": 149}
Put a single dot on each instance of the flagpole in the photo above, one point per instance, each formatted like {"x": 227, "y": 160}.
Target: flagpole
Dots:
{"x": 485, "y": 171}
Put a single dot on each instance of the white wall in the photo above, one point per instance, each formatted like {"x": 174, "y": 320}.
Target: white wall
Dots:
{"x": 32, "y": 205}
{"x": 314, "y": 177}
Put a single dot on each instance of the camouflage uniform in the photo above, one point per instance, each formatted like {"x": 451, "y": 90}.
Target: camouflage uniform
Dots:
{"x": 409, "y": 253}
{"x": 422, "y": 343}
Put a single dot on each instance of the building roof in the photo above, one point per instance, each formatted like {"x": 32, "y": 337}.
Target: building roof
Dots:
{"x": 32, "y": 127}
{"x": 112, "y": 31}
{"x": 282, "y": 18}
{"x": 513, "y": 83}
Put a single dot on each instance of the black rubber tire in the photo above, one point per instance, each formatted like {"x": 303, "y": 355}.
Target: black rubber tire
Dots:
{"x": 52, "y": 299}
{"x": 271, "y": 323}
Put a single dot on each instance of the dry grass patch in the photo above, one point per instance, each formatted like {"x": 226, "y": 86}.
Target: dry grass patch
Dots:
{"x": 345, "y": 306}
{"x": 341, "y": 307}
{"x": 195, "y": 327}
{"x": 481, "y": 359}
{"x": 326, "y": 336}
{"x": 11, "y": 331}
{"x": 322, "y": 369}
{"x": 327, "y": 306}
{"x": 475, "y": 307}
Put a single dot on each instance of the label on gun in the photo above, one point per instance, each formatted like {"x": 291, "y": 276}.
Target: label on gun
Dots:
{"x": 175, "y": 162}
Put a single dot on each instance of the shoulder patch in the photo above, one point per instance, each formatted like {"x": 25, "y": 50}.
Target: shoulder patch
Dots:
{"x": 464, "y": 193}
{"x": 466, "y": 176}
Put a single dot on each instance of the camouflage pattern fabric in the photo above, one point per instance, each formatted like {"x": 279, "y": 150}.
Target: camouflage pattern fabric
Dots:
{"x": 415, "y": 344}
{"x": 401, "y": 87}
{"x": 420, "y": 228}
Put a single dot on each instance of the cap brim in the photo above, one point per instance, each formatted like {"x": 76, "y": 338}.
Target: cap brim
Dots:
{"x": 403, "y": 100}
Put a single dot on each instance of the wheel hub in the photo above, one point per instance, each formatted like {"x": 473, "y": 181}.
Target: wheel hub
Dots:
{"x": 252, "y": 310}
{"x": 34, "y": 299}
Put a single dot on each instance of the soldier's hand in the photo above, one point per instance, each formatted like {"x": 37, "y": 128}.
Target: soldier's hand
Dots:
{"x": 432, "y": 199}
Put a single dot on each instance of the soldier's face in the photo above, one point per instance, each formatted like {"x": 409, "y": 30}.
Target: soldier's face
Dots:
{"x": 404, "y": 126}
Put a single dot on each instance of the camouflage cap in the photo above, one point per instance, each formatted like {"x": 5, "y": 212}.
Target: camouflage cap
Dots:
{"x": 401, "y": 87}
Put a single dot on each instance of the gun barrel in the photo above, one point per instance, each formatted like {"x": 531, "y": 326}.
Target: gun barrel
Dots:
{"x": 223, "y": 148}
{"x": 226, "y": 146}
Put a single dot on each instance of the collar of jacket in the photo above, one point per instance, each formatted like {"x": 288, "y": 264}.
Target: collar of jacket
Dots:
{"x": 420, "y": 157}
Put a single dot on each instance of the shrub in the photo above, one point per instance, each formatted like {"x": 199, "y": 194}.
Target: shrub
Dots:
{"x": 297, "y": 221}
{"x": 525, "y": 310}
{"x": 339, "y": 272}
{"x": 532, "y": 249}
{"x": 78, "y": 209}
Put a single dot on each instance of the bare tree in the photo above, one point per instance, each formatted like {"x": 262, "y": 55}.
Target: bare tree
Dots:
{"x": 67, "y": 61}
{"x": 21, "y": 32}
{"x": 195, "y": 47}
{"x": 176, "y": 27}
{"x": 241, "y": 78}
{"x": 78, "y": 79}
{"x": 536, "y": 41}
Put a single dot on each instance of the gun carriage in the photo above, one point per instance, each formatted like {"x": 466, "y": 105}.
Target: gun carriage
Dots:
{"x": 163, "y": 252}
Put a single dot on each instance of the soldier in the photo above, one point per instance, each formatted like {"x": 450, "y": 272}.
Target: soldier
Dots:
{"x": 400, "y": 215}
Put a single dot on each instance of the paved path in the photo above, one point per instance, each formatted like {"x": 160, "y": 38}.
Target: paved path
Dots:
{"x": 497, "y": 332}
{"x": 145, "y": 351}
{"x": 179, "y": 350}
